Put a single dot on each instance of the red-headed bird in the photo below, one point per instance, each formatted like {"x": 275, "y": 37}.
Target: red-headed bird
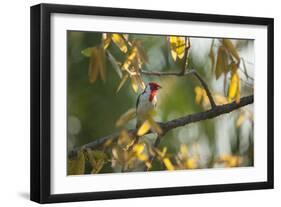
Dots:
{"x": 146, "y": 102}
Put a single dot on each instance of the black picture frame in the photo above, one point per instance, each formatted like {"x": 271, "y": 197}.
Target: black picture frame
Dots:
{"x": 41, "y": 99}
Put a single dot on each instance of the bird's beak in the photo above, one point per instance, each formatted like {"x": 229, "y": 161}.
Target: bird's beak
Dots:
{"x": 159, "y": 87}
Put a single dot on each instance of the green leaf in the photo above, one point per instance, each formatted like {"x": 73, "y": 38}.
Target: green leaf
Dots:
{"x": 99, "y": 155}
{"x": 114, "y": 64}
{"x": 87, "y": 52}
{"x": 125, "y": 77}
{"x": 76, "y": 166}
{"x": 230, "y": 47}
{"x": 126, "y": 117}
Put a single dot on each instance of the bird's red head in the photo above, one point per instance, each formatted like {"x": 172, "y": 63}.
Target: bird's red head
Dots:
{"x": 154, "y": 86}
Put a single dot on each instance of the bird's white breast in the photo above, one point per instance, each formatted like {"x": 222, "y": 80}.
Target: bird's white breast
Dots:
{"x": 145, "y": 105}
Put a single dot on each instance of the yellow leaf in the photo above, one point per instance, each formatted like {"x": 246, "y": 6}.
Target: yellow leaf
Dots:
{"x": 125, "y": 77}
{"x": 123, "y": 138}
{"x": 144, "y": 128}
{"x": 154, "y": 126}
{"x": 106, "y": 39}
{"x": 97, "y": 64}
{"x": 97, "y": 166}
{"x": 107, "y": 143}
{"x": 198, "y": 94}
{"x": 234, "y": 87}
{"x": 76, "y": 166}
{"x": 130, "y": 58}
{"x": 168, "y": 164}
{"x": 162, "y": 153}
{"x": 237, "y": 97}
{"x": 142, "y": 157}
{"x": 98, "y": 155}
{"x": 102, "y": 68}
{"x": 126, "y": 117}
{"x": 178, "y": 46}
{"x": 93, "y": 66}
{"x": 119, "y": 41}
{"x": 220, "y": 100}
{"x": 138, "y": 148}
{"x": 240, "y": 120}
{"x": 191, "y": 163}
{"x": 148, "y": 164}
{"x": 134, "y": 83}
{"x": 230, "y": 47}
{"x": 201, "y": 96}
{"x": 119, "y": 155}
{"x": 184, "y": 150}
{"x": 126, "y": 36}
{"x": 230, "y": 160}
{"x": 222, "y": 62}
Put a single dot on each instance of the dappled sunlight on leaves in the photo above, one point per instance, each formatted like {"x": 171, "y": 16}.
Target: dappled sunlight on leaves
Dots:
{"x": 130, "y": 158}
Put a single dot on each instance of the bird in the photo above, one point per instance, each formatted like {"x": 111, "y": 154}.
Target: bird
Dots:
{"x": 146, "y": 102}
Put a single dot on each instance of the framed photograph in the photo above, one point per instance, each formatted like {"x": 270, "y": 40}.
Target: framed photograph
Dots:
{"x": 133, "y": 103}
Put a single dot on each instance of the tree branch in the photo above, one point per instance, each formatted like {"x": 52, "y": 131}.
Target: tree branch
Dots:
{"x": 152, "y": 73}
{"x": 167, "y": 126}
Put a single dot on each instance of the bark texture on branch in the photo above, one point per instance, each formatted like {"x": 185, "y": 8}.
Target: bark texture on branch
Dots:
{"x": 182, "y": 121}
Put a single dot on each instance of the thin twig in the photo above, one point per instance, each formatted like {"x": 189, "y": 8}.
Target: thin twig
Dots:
{"x": 185, "y": 54}
{"x": 203, "y": 83}
{"x": 245, "y": 70}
